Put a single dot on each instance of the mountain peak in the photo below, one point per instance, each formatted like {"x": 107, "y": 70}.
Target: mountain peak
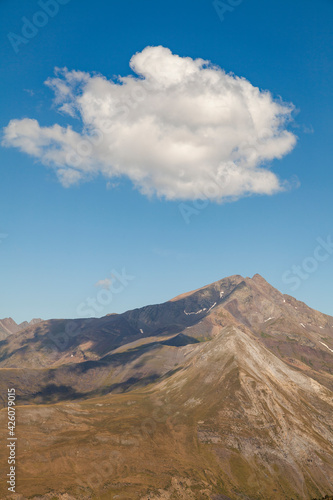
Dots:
{"x": 257, "y": 276}
{"x": 259, "y": 279}
{"x": 235, "y": 278}
{"x": 8, "y": 326}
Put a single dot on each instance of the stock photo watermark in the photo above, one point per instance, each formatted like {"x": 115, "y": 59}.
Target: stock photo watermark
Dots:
{"x": 223, "y": 8}
{"x": 301, "y": 272}
{"x": 215, "y": 187}
{"x": 188, "y": 210}
{"x": 11, "y": 445}
{"x": 118, "y": 282}
{"x": 30, "y": 27}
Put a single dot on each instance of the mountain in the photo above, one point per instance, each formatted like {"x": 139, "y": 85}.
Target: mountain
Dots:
{"x": 220, "y": 393}
{"x": 9, "y": 326}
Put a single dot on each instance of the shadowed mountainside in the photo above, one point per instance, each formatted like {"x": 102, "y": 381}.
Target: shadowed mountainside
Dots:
{"x": 224, "y": 392}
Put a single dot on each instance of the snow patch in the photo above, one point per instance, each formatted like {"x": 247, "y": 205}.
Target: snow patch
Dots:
{"x": 302, "y": 325}
{"x": 212, "y": 306}
{"x": 198, "y": 312}
{"x": 327, "y": 346}
{"x": 141, "y": 331}
{"x": 267, "y": 319}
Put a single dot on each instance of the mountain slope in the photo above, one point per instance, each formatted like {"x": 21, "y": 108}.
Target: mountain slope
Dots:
{"x": 233, "y": 421}
{"x": 220, "y": 393}
{"x": 253, "y": 408}
{"x": 297, "y": 334}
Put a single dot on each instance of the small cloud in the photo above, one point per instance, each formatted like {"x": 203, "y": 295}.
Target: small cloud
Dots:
{"x": 112, "y": 185}
{"x": 29, "y": 91}
{"x": 308, "y": 129}
{"x": 105, "y": 284}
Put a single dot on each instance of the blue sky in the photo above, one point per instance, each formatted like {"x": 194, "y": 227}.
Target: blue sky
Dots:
{"x": 57, "y": 242}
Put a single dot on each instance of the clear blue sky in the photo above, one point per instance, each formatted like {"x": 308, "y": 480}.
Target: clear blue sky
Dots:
{"x": 61, "y": 241}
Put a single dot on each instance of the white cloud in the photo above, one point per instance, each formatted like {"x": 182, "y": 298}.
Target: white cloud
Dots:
{"x": 106, "y": 283}
{"x": 180, "y": 129}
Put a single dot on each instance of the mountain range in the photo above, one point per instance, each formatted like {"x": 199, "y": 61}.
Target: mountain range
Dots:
{"x": 221, "y": 393}
{"x": 9, "y": 326}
